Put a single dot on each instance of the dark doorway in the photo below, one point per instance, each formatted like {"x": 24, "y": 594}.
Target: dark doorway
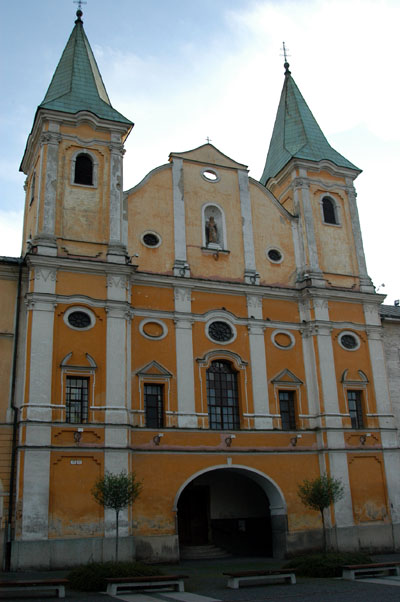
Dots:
{"x": 194, "y": 515}
{"x": 226, "y": 508}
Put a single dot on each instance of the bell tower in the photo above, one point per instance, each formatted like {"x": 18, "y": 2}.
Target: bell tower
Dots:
{"x": 73, "y": 163}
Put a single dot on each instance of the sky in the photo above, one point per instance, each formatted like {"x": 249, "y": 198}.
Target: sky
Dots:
{"x": 185, "y": 70}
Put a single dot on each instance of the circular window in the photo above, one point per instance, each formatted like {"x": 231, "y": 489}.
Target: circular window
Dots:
{"x": 210, "y": 175}
{"x": 274, "y": 255}
{"x": 151, "y": 239}
{"x": 153, "y": 329}
{"x": 220, "y": 332}
{"x": 282, "y": 339}
{"x": 79, "y": 318}
{"x": 349, "y": 341}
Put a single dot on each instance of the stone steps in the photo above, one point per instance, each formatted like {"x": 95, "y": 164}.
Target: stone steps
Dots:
{"x": 203, "y": 552}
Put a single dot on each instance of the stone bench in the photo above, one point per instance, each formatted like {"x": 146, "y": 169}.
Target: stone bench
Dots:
{"x": 31, "y": 585}
{"x": 237, "y": 578}
{"x": 352, "y": 571}
{"x": 152, "y": 581}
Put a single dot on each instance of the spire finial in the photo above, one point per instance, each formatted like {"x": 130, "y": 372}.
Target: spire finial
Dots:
{"x": 285, "y": 55}
{"x": 79, "y": 12}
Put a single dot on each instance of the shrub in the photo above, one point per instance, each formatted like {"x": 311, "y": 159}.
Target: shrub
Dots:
{"x": 91, "y": 577}
{"x": 326, "y": 565}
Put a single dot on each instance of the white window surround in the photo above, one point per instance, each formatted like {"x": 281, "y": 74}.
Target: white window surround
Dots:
{"x": 285, "y": 332}
{"x": 274, "y": 248}
{"x": 337, "y": 210}
{"x": 219, "y": 319}
{"x": 85, "y": 151}
{"x": 78, "y": 371}
{"x": 212, "y": 171}
{"x": 154, "y": 234}
{"x": 84, "y": 310}
{"x": 215, "y": 210}
{"x": 351, "y": 333}
{"x": 153, "y": 321}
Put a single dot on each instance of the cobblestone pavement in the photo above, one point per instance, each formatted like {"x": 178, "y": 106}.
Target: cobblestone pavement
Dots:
{"x": 206, "y": 583}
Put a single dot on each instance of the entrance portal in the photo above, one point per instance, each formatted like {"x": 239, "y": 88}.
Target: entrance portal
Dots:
{"x": 228, "y": 508}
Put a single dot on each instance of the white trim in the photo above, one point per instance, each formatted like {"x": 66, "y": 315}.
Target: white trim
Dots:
{"x": 150, "y": 321}
{"x": 351, "y": 333}
{"x": 281, "y": 331}
{"x": 274, "y": 248}
{"x": 84, "y": 151}
{"x": 222, "y": 242}
{"x": 84, "y": 310}
{"x": 210, "y": 170}
{"x": 154, "y": 234}
{"x": 225, "y": 321}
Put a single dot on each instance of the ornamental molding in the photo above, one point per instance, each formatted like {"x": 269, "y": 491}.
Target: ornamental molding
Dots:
{"x": 222, "y": 354}
{"x": 43, "y": 274}
{"x": 50, "y": 138}
{"x": 120, "y": 282}
{"x": 254, "y": 301}
{"x": 182, "y": 294}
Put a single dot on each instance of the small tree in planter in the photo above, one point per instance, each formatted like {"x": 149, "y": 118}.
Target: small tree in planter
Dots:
{"x": 116, "y": 491}
{"x": 319, "y": 494}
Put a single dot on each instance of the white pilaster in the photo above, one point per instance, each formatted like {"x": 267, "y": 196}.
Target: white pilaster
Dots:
{"x": 45, "y": 240}
{"x": 262, "y": 417}
{"x": 184, "y": 359}
{"x": 181, "y": 267}
{"x": 36, "y": 494}
{"x": 365, "y": 281}
{"x": 250, "y": 272}
{"x": 116, "y": 247}
{"x": 310, "y": 369}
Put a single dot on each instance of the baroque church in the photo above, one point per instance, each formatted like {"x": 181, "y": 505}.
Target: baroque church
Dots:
{"x": 216, "y": 335}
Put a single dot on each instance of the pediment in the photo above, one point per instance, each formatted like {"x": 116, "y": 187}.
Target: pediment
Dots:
{"x": 286, "y": 376}
{"x": 208, "y": 154}
{"x": 154, "y": 369}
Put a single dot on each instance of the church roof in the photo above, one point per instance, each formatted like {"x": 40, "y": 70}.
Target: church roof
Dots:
{"x": 77, "y": 84}
{"x": 297, "y": 134}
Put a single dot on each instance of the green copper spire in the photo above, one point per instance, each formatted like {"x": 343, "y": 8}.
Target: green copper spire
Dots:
{"x": 297, "y": 134}
{"x": 77, "y": 84}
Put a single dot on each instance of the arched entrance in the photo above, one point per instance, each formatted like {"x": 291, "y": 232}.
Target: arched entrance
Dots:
{"x": 234, "y": 507}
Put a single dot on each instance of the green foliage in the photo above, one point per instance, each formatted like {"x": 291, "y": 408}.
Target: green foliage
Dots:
{"x": 326, "y": 565}
{"x": 91, "y": 577}
{"x": 321, "y": 492}
{"x": 116, "y": 491}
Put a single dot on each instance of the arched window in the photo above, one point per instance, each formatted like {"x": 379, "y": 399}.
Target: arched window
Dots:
{"x": 83, "y": 170}
{"x": 214, "y": 234}
{"x": 222, "y": 396}
{"x": 329, "y": 211}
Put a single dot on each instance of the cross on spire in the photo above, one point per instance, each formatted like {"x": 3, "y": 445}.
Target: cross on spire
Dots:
{"x": 208, "y": 140}
{"x": 285, "y": 56}
{"x": 79, "y": 3}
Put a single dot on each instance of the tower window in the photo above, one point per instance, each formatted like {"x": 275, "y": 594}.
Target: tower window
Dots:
{"x": 154, "y": 406}
{"x": 329, "y": 211}
{"x": 77, "y": 390}
{"x": 355, "y": 409}
{"x": 222, "y": 396}
{"x": 287, "y": 409}
{"x": 83, "y": 170}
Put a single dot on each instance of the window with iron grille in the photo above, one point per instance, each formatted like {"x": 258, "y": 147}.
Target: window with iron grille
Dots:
{"x": 154, "y": 405}
{"x": 83, "y": 170}
{"x": 222, "y": 396}
{"x": 77, "y": 393}
{"x": 355, "y": 409}
{"x": 287, "y": 410}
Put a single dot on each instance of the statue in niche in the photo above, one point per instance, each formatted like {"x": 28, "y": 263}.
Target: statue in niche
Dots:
{"x": 211, "y": 231}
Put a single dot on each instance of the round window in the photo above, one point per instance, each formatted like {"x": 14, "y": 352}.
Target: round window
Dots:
{"x": 274, "y": 255}
{"x": 79, "y": 318}
{"x": 210, "y": 175}
{"x": 220, "y": 331}
{"x": 349, "y": 341}
{"x": 150, "y": 239}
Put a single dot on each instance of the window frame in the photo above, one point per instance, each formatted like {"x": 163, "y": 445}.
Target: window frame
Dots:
{"x": 83, "y": 413}
{"x": 230, "y": 418}
{"x": 357, "y": 415}
{"x": 160, "y": 405}
{"x": 291, "y": 422}
{"x": 335, "y": 209}
{"x": 95, "y": 168}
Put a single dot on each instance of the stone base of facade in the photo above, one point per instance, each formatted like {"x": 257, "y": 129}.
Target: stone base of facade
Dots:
{"x": 373, "y": 538}
{"x": 63, "y": 553}
{"x": 157, "y": 548}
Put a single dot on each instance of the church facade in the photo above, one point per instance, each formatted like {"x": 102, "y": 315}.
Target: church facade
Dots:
{"x": 216, "y": 335}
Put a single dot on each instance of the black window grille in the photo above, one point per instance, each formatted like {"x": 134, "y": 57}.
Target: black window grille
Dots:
{"x": 77, "y": 393}
{"x": 355, "y": 409}
{"x": 154, "y": 406}
{"x": 287, "y": 409}
{"x": 328, "y": 208}
{"x": 83, "y": 170}
{"x": 222, "y": 396}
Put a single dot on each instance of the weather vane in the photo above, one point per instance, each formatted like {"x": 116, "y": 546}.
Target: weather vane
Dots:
{"x": 285, "y": 55}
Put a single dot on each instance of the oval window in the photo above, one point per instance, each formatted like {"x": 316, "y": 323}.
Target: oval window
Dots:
{"x": 151, "y": 239}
